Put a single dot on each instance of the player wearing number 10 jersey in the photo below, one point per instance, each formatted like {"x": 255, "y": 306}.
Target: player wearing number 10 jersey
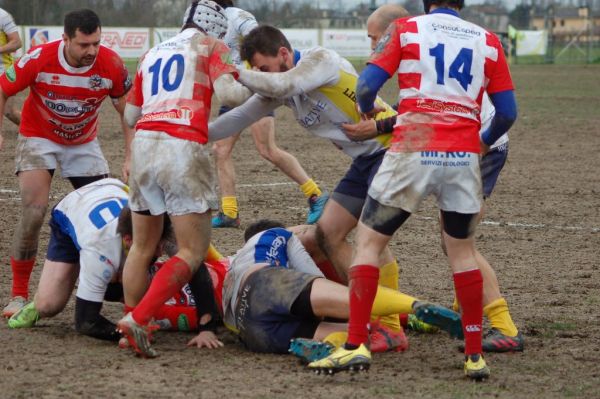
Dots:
{"x": 171, "y": 170}
{"x": 444, "y": 66}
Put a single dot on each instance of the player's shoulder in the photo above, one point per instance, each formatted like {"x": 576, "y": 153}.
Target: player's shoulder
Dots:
{"x": 318, "y": 54}
{"x": 238, "y": 16}
{"x": 5, "y": 16}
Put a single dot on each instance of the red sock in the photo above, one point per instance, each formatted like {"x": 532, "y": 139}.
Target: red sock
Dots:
{"x": 329, "y": 271}
{"x": 363, "y": 287}
{"x": 127, "y": 308}
{"x": 182, "y": 318}
{"x": 469, "y": 292}
{"x": 174, "y": 274}
{"x": 21, "y": 271}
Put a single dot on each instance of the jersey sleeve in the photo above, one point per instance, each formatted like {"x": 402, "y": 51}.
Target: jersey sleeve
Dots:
{"x": 246, "y": 22}
{"x": 22, "y": 73}
{"x": 7, "y": 23}
{"x": 120, "y": 77}
{"x": 299, "y": 259}
{"x": 220, "y": 62}
{"x": 388, "y": 52}
{"x": 497, "y": 71}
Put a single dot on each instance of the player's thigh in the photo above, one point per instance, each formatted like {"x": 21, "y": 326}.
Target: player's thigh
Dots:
{"x": 56, "y": 285}
{"x": 35, "y": 162}
{"x": 336, "y": 222}
{"x": 34, "y": 186}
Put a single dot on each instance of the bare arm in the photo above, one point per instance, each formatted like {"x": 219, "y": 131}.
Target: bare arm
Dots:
{"x": 14, "y": 43}
{"x": 128, "y": 132}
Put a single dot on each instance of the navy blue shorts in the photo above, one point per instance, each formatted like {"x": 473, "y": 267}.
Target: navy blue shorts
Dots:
{"x": 491, "y": 165}
{"x": 61, "y": 247}
{"x": 223, "y": 109}
{"x": 351, "y": 191}
{"x": 263, "y": 310}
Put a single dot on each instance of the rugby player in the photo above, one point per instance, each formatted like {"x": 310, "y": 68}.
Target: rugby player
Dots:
{"x": 240, "y": 23}
{"x": 68, "y": 80}
{"x": 319, "y": 86}
{"x": 503, "y": 335}
{"x": 170, "y": 169}
{"x": 444, "y": 65}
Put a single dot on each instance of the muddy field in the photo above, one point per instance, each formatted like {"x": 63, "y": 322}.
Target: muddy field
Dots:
{"x": 541, "y": 234}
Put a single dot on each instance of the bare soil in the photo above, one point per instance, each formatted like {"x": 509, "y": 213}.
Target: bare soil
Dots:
{"x": 541, "y": 233}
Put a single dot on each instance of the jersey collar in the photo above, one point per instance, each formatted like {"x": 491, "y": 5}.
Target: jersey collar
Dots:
{"x": 443, "y": 10}
{"x": 296, "y": 56}
{"x": 63, "y": 61}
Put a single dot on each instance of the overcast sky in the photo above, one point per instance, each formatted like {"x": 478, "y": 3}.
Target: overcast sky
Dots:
{"x": 509, "y": 3}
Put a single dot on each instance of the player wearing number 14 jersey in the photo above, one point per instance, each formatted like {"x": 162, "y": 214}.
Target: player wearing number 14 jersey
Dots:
{"x": 171, "y": 170}
{"x": 444, "y": 66}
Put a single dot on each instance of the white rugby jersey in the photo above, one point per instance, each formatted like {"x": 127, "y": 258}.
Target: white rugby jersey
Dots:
{"x": 7, "y": 26}
{"x": 239, "y": 24}
{"x": 320, "y": 90}
{"x": 89, "y": 216}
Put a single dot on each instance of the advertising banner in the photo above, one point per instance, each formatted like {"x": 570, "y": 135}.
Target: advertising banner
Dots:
{"x": 347, "y": 43}
{"x": 162, "y": 34}
{"x": 127, "y": 42}
{"x": 302, "y": 38}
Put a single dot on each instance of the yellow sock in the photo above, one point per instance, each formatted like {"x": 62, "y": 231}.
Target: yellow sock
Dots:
{"x": 229, "y": 206}
{"x": 499, "y": 317}
{"x": 310, "y": 188}
{"x": 391, "y": 302}
{"x": 337, "y": 339}
{"x": 456, "y": 305}
{"x": 388, "y": 277}
{"x": 213, "y": 254}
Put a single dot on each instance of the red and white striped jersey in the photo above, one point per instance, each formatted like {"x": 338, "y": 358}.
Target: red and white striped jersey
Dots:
{"x": 64, "y": 101}
{"x": 444, "y": 66}
{"x": 174, "y": 84}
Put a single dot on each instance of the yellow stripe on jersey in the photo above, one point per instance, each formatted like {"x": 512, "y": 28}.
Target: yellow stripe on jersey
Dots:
{"x": 343, "y": 96}
{"x": 7, "y": 59}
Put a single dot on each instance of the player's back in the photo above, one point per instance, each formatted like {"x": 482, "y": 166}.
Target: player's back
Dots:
{"x": 90, "y": 214}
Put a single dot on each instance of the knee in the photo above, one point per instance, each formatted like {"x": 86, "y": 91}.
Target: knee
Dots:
{"x": 267, "y": 152}
{"x": 222, "y": 151}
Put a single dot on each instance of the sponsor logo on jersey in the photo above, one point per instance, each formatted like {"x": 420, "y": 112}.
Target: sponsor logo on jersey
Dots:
{"x": 273, "y": 253}
{"x": 29, "y": 56}
{"x": 455, "y": 29}
{"x": 55, "y": 80}
{"x": 11, "y": 74}
{"x": 70, "y": 109}
{"x": 382, "y": 43}
{"x": 313, "y": 116}
{"x": 184, "y": 113}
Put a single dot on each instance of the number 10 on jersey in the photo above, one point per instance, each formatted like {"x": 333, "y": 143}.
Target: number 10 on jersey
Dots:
{"x": 162, "y": 75}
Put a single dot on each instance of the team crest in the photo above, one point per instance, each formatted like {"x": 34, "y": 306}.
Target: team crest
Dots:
{"x": 382, "y": 43}
{"x": 95, "y": 82}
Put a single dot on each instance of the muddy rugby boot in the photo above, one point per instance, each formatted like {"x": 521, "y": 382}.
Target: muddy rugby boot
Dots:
{"x": 224, "y": 221}
{"x": 26, "y": 317}
{"x": 309, "y": 350}
{"x": 15, "y": 304}
{"x": 383, "y": 339}
{"x": 419, "y": 326}
{"x": 137, "y": 335}
{"x": 475, "y": 367}
{"x": 439, "y": 316}
{"x": 316, "y": 205}
{"x": 343, "y": 359}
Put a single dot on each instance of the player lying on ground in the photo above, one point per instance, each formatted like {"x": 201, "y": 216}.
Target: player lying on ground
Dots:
{"x": 318, "y": 85}
{"x": 274, "y": 292}
{"x": 240, "y": 23}
{"x": 90, "y": 235}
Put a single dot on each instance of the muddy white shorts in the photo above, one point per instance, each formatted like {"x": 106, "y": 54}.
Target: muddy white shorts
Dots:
{"x": 404, "y": 179}
{"x": 35, "y": 153}
{"x": 170, "y": 175}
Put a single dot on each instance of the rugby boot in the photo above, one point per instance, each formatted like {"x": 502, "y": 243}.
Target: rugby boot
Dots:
{"x": 26, "y": 317}
{"x": 417, "y": 325}
{"x": 137, "y": 335}
{"x": 224, "y": 221}
{"x": 316, "y": 205}
{"x": 495, "y": 342}
{"x": 309, "y": 350}
{"x": 475, "y": 367}
{"x": 15, "y": 304}
{"x": 383, "y": 339}
{"x": 343, "y": 359}
{"x": 439, "y": 316}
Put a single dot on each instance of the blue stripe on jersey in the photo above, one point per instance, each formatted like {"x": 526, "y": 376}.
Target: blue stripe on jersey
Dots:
{"x": 272, "y": 247}
{"x": 443, "y": 10}
{"x": 66, "y": 226}
{"x": 296, "y": 56}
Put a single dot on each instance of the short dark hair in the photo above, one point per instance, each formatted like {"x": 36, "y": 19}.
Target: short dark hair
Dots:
{"x": 260, "y": 225}
{"x": 224, "y": 3}
{"x": 458, "y": 4}
{"x": 85, "y": 20}
{"x": 264, "y": 39}
{"x": 125, "y": 225}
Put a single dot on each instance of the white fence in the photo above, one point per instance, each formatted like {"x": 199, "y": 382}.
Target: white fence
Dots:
{"x": 133, "y": 42}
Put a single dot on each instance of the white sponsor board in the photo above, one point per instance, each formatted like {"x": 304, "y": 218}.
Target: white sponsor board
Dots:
{"x": 532, "y": 42}
{"x": 36, "y": 35}
{"x": 127, "y": 42}
{"x": 347, "y": 43}
{"x": 302, "y": 38}
{"x": 162, "y": 34}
